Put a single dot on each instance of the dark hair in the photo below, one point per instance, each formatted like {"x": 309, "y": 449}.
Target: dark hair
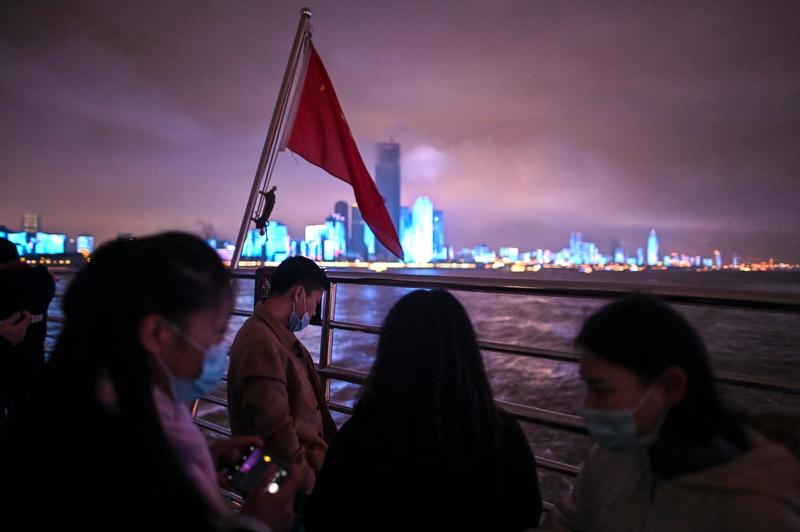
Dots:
{"x": 171, "y": 274}
{"x": 297, "y": 271}
{"x": 427, "y": 390}
{"x": 647, "y": 336}
{"x": 8, "y": 251}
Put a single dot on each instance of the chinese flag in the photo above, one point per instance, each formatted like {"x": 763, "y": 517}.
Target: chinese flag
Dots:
{"x": 321, "y": 136}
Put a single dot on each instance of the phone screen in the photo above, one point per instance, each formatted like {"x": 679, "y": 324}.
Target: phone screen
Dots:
{"x": 248, "y": 473}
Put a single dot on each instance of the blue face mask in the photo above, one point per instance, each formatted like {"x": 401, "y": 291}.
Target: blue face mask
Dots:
{"x": 215, "y": 364}
{"x": 616, "y": 429}
{"x": 295, "y": 322}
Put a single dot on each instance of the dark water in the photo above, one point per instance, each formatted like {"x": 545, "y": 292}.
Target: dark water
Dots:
{"x": 752, "y": 342}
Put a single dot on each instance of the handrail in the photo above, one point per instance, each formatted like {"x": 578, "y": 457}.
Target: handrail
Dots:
{"x": 579, "y": 289}
{"x": 769, "y": 301}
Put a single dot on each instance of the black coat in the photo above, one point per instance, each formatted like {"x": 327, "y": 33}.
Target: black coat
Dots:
{"x": 360, "y": 487}
{"x": 23, "y": 288}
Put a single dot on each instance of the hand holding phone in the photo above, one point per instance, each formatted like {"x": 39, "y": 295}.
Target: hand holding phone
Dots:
{"x": 248, "y": 473}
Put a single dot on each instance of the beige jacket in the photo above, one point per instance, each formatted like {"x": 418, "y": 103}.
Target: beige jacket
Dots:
{"x": 757, "y": 491}
{"x": 274, "y": 392}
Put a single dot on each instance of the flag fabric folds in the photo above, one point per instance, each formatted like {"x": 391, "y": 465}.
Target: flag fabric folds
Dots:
{"x": 321, "y": 136}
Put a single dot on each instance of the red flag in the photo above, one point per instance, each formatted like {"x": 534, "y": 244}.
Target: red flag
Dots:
{"x": 321, "y": 136}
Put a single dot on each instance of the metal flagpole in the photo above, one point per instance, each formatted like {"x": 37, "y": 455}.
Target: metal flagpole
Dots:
{"x": 269, "y": 151}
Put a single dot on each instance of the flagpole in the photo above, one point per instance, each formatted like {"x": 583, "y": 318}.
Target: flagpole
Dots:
{"x": 272, "y": 134}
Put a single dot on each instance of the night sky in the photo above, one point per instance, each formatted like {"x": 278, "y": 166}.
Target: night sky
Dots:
{"x": 522, "y": 120}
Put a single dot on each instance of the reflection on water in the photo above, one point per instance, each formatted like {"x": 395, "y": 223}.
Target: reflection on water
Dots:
{"x": 756, "y": 343}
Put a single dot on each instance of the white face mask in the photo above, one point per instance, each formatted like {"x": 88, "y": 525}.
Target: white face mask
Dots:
{"x": 616, "y": 429}
{"x": 215, "y": 364}
{"x": 297, "y": 323}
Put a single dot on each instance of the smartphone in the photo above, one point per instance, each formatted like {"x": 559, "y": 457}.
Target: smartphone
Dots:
{"x": 248, "y": 473}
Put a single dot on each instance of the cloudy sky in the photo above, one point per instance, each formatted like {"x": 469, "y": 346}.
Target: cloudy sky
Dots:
{"x": 522, "y": 120}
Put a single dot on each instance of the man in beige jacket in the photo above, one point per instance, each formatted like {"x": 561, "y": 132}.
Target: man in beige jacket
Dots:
{"x": 273, "y": 388}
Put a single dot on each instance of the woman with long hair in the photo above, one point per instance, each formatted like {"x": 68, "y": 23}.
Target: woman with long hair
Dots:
{"x": 107, "y": 437}
{"x": 426, "y": 447}
{"x": 669, "y": 454}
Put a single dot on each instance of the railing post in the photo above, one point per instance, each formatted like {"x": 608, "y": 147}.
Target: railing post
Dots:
{"x": 326, "y": 341}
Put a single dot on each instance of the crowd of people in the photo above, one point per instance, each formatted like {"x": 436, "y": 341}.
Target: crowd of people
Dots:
{"x": 101, "y": 435}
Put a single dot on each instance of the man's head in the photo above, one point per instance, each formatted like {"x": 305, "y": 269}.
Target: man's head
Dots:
{"x": 8, "y": 251}
{"x": 298, "y": 283}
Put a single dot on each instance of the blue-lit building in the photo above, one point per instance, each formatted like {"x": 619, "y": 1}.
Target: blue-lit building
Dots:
{"x": 406, "y": 233}
{"x": 276, "y": 248}
{"x": 422, "y": 220}
{"x": 652, "y": 248}
{"x": 356, "y": 246}
{"x": 85, "y": 244}
{"x": 387, "y": 179}
{"x": 439, "y": 247}
{"x": 509, "y": 253}
{"x": 617, "y": 251}
{"x": 20, "y": 238}
{"x": 335, "y": 247}
{"x": 39, "y": 243}
{"x": 369, "y": 241}
{"x": 315, "y": 238}
{"x": 482, "y": 253}
{"x": 254, "y": 245}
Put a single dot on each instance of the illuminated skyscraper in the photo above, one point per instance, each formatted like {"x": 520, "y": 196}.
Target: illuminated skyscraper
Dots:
{"x": 356, "y": 248}
{"x": 335, "y": 234}
{"x": 254, "y": 244}
{"x": 422, "y": 220}
{"x": 387, "y": 178}
{"x": 343, "y": 209}
{"x": 406, "y": 233}
{"x": 277, "y": 244}
{"x": 439, "y": 249}
{"x": 717, "y": 259}
{"x": 652, "y": 248}
{"x": 369, "y": 242}
{"x": 315, "y": 238}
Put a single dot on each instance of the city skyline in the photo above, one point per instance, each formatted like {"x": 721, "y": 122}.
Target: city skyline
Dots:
{"x": 332, "y": 241}
{"x": 522, "y": 122}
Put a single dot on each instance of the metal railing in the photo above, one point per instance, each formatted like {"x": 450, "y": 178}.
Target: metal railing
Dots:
{"x": 328, "y": 371}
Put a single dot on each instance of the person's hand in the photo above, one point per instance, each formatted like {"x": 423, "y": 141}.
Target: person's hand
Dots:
{"x": 225, "y": 452}
{"x": 15, "y": 326}
{"x": 275, "y": 509}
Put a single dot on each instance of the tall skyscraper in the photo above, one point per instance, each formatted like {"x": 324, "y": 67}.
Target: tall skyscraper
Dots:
{"x": 406, "y": 233}
{"x": 276, "y": 247}
{"x": 357, "y": 248}
{"x": 387, "y": 178}
{"x": 335, "y": 234}
{"x": 31, "y": 223}
{"x": 652, "y": 248}
{"x": 343, "y": 209}
{"x": 439, "y": 249}
{"x": 422, "y": 220}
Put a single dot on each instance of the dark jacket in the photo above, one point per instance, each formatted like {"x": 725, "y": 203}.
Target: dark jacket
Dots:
{"x": 360, "y": 487}
{"x": 23, "y": 288}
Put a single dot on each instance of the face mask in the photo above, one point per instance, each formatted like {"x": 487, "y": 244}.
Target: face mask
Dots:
{"x": 616, "y": 429}
{"x": 296, "y": 323}
{"x": 215, "y": 363}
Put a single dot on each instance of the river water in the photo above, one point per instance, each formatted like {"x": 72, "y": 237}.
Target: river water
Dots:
{"x": 753, "y": 342}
